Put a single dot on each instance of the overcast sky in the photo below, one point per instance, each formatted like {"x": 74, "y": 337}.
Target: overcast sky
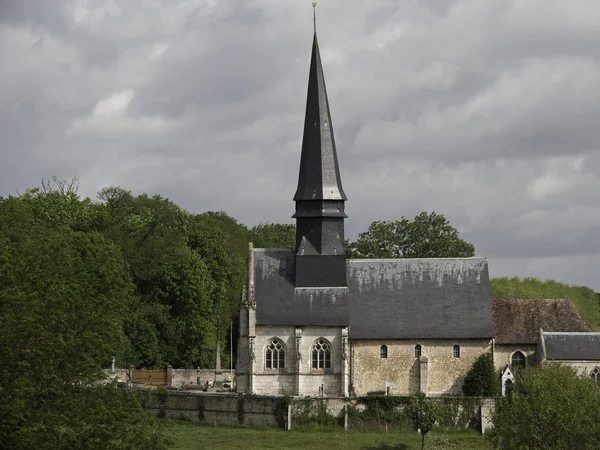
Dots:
{"x": 485, "y": 111}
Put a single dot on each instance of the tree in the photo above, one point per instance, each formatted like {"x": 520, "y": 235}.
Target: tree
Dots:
{"x": 273, "y": 235}
{"x": 63, "y": 297}
{"x": 481, "y": 380}
{"x": 427, "y": 236}
{"x": 422, "y": 413}
{"x": 551, "y": 407}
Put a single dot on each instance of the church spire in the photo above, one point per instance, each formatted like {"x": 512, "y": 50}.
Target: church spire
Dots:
{"x": 319, "y": 177}
{"x": 320, "y": 256}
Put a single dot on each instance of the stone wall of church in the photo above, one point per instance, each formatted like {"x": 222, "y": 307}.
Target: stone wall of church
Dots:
{"x": 283, "y": 381}
{"x": 504, "y": 352}
{"x": 584, "y": 368}
{"x": 401, "y": 370}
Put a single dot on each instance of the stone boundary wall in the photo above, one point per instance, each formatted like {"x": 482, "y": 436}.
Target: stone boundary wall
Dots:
{"x": 222, "y": 408}
{"x": 280, "y": 411}
{"x": 180, "y": 377}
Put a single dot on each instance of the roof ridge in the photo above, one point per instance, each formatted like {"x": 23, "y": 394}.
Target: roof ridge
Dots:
{"x": 571, "y": 333}
{"x": 474, "y": 258}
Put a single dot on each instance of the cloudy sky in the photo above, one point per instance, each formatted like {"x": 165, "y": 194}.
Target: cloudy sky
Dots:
{"x": 485, "y": 111}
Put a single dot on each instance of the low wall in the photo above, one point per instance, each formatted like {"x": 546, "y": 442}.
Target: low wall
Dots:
{"x": 225, "y": 408}
{"x": 286, "y": 411}
{"x": 180, "y": 377}
{"x": 190, "y": 377}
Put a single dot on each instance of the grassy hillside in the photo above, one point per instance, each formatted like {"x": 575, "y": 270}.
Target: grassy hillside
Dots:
{"x": 584, "y": 298}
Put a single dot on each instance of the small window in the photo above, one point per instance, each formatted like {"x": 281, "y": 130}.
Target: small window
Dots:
{"x": 596, "y": 375}
{"x": 275, "y": 355}
{"x": 383, "y": 351}
{"x": 456, "y": 351}
{"x": 321, "y": 355}
{"x": 418, "y": 351}
{"x": 518, "y": 359}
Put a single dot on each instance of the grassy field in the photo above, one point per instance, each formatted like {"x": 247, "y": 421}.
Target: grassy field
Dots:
{"x": 188, "y": 436}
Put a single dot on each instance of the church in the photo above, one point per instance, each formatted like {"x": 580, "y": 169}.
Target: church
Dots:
{"x": 313, "y": 322}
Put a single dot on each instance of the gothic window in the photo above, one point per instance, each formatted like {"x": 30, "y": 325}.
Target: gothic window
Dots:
{"x": 383, "y": 351}
{"x": 275, "y": 355}
{"x": 321, "y": 354}
{"x": 456, "y": 351}
{"x": 517, "y": 359}
{"x": 596, "y": 375}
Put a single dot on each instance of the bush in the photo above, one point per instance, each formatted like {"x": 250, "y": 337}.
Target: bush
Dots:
{"x": 481, "y": 380}
{"x": 550, "y": 408}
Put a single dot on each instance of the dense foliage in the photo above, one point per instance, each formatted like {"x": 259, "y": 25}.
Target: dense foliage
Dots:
{"x": 586, "y": 301}
{"x": 482, "y": 380}
{"x": 273, "y": 235}
{"x": 427, "y": 236}
{"x": 550, "y": 408}
{"x": 64, "y": 295}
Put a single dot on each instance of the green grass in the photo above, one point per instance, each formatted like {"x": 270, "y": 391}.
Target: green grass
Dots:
{"x": 188, "y": 436}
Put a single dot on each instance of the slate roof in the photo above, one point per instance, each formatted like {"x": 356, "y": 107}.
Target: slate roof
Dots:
{"x": 319, "y": 177}
{"x": 518, "y": 321}
{"x": 437, "y": 298}
{"x": 278, "y": 302}
{"x": 572, "y": 346}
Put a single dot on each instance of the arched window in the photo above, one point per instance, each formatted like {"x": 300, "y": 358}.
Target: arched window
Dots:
{"x": 383, "y": 351}
{"x": 518, "y": 359}
{"x": 275, "y": 355}
{"x": 418, "y": 351}
{"x": 456, "y": 351}
{"x": 321, "y": 354}
{"x": 596, "y": 375}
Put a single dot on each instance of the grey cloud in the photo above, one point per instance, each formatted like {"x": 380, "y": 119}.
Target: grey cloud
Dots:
{"x": 485, "y": 112}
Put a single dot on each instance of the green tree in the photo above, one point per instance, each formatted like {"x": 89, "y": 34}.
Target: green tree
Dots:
{"x": 422, "y": 413}
{"x": 551, "y": 407}
{"x": 273, "y": 235}
{"x": 223, "y": 245}
{"x": 63, "y": 297}
{"x": 427, "y": 236}
{"x": 583, "y": 297}
{"x": 481, "y": 379}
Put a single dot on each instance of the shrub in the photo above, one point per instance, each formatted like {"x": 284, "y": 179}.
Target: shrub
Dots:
{"x": 550, "y": 408}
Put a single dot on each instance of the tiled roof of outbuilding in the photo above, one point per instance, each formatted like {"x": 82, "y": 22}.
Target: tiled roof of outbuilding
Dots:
{"x": 518, "y": 321}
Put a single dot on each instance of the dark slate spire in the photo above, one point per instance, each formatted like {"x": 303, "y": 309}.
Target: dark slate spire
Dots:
{"x": 319, "y": 170}
{"x": 320, "y": 256}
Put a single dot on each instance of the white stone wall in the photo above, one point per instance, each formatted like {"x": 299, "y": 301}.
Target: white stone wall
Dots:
{"x": 584, "y": 368}
{"x": 503, "y": 354}
{"x": 401, "y": 372}
{"x": 283, "y": 381}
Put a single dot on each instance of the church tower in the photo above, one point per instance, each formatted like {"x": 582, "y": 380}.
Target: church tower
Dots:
{"x": 320, "y": 256}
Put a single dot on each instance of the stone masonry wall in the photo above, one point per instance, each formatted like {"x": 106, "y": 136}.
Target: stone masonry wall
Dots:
{"x": 283, "y": 381}
{"x": 400, "y": 371}
{"x": 181, "y": 377}
{"x": 189, "y": 377}
{"x": 226, "y": 408}
{"x": 266, "y": 410}
{"x": 584, "y": 368}
{"x": 503, "y": 353}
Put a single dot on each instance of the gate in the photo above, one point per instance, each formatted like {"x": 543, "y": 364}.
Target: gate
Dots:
{"x": 151, "y": 377}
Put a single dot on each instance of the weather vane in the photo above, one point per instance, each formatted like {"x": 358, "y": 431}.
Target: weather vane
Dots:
{"x": 315, "y": 16}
